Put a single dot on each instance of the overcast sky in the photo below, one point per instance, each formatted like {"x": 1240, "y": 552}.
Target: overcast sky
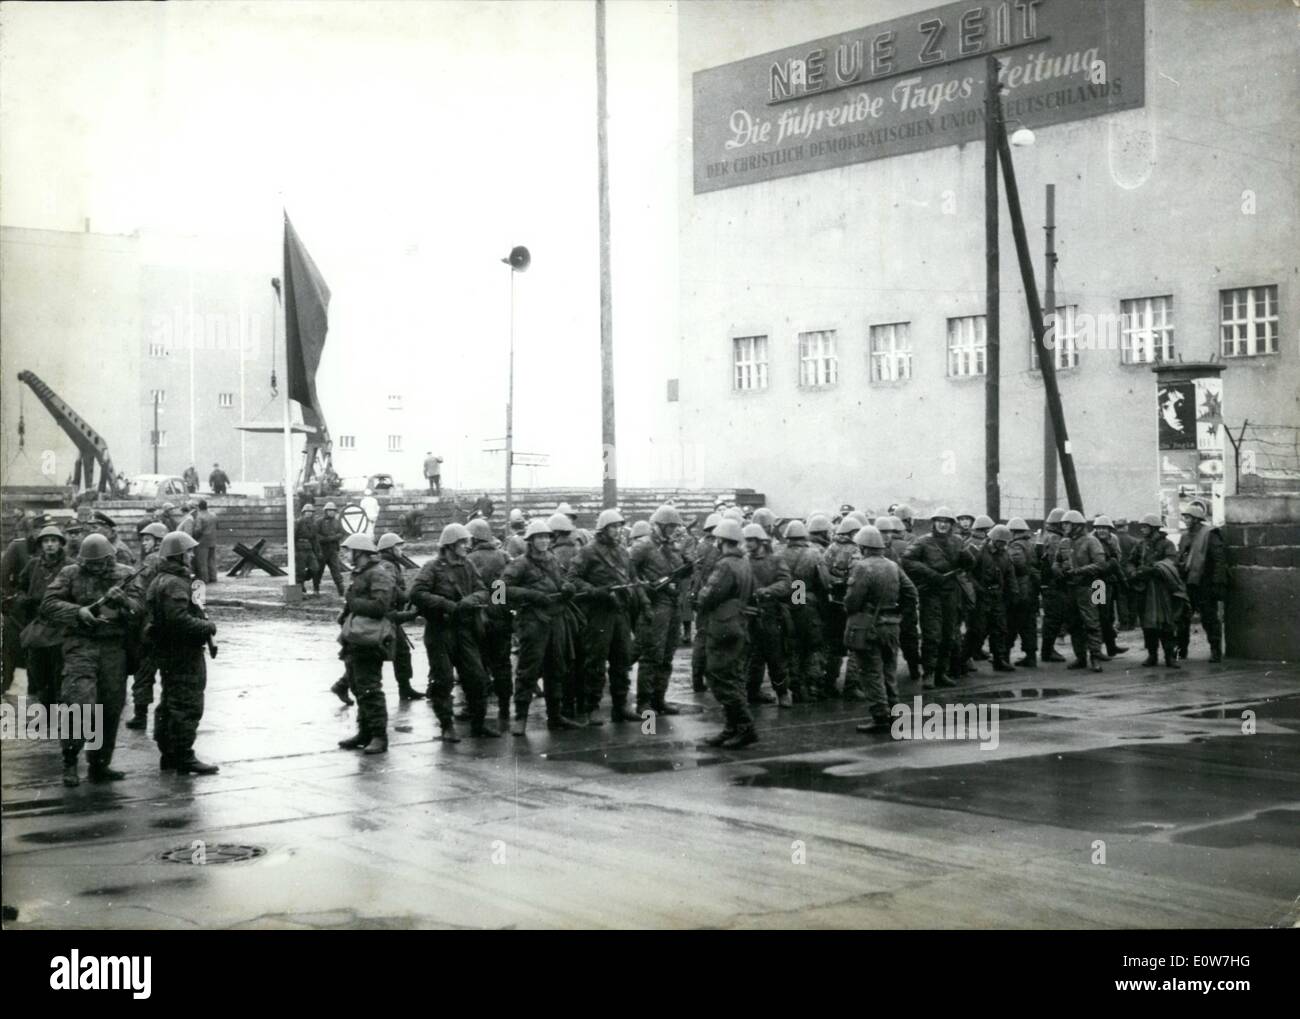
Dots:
{"x": 414, "y": 144}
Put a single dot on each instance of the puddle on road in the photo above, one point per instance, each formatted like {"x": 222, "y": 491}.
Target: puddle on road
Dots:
{"x": 1279, "y": 827}
{"x": 86, "y": 833}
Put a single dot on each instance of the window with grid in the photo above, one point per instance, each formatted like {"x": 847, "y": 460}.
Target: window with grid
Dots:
{"x": 818, "y": 363}
{"x": 347, "y": 442}
{"x": 891, "y": 352}
{"x": 1248, "y": 324}
{"x": 1065, "y": 339}
{"x": 967, "y": 345}
{"x": 158, "y": 396}
{"x": 1147, "y": 332}
{"x": 226, "y": 400}
{"x": 749, "y": 361}
{"x": 162, "y": 439}
{"x": 157, "y": 350}
{"x": 394, "y": 444}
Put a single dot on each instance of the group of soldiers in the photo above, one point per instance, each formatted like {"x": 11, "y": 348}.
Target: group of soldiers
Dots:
{"x": 86, "y": 623}
{"x": 786, "y": 600}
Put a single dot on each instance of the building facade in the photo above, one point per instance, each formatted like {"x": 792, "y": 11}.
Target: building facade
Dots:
{"x": 832, "y": 257}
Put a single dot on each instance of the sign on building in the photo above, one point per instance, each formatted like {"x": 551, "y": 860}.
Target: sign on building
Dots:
{"x": 913, "y": 83}
{"x": 1191, "y": 445}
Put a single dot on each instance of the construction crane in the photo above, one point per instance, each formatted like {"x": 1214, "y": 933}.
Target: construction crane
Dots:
{"x": 90, "y": 444}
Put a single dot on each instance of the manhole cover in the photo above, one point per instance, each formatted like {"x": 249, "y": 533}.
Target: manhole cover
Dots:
{"x": 205, "y": 854}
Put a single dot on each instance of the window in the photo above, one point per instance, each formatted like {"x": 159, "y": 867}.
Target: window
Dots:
{"x": 672, "y": 390}
{"x": 891, "y": 352}
{"x": 749, "y": 358}
{"x": 818, "y": 363}
{"x": 158, "y": 396}
{"x": 394, "y": 401}
{"x": 1249, "y": 321}
{"x": 225, "y": 400}
{"x": 1064, "y": 339}
{"x": 160, "y": 439}
{"x": 157, "y": 350}
{"x": 347, "y": 442}
{"x": 394, "y": 444}
{"x": 1147, "y": 333}
{"x": 967, "y": 345}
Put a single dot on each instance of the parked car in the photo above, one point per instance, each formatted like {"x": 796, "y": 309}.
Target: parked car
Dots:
{"x": 156, "y": 486}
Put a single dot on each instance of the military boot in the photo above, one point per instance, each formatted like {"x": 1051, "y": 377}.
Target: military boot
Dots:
{"x": 1002, "y": 665}
{"x": 1095, "y": 662}
{"x": 140, "y": 719}
{"x": 193, "y": 766}
{"x": 503, "y": 721}
{"x": 481, "y": 728}
{"x": 166, "y": 762}
{"x": 720, "y": 738}
{"x": 698, "y": 685}
{"x": 620, "y": 712}
{"x": 378, "y": 745}
{"x": 1171, "y": 662}
{"x": 70, "y": 776}
{"x": 340, "y": 690}
{"x": 354, "y": 742}
{"x": 1048, "y": 653}
{"x": 561, "y": 722}
{"x": 520, "y": 728}
{"x": 407, "y": 692}
{"x": 1150, "y": 660}
{"x": 1028, "y": 662}
{"x": 662, "y": 707}
{"x": 448, "y": 733}
{"x": 99, "y": 773}
{"x": 785, "y": 699}
{"x": 744, "y": 737}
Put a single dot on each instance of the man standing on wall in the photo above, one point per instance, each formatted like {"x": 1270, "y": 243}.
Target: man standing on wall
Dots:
{"x": 433, "y": 472}
{"x": 218, "y": 480}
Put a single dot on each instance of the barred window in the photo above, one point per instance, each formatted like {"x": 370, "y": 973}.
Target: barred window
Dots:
{"x": 394, "y": 444}
{"x": 226, "y": 400}
{"x": 1147, "y": 333}
{"x": 1064, "y": 339}
{"x": 1249, "y": 321}
{"x": 967, "y": 346}
{"x": 347, "y": 442}
{"x": 157, "y": 350}
{"x": 818, "y": 363}
{"x": 749, "y": 362}
{"x": 160, "y": 438}
{"x": 891, "y": 352}
{"x": 158, "y": 396}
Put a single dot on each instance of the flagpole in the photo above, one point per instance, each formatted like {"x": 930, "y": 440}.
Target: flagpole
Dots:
{"x": 288, "y": 447}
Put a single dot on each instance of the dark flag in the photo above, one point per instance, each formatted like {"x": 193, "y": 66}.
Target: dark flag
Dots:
{"x": 306, "y": 320}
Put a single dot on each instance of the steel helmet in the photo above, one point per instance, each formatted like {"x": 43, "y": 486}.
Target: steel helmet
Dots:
{"x": 479, "y": 529}
{"x": 167, "y": 507}
{"x": 1153, "y": 520}
{"x": 607, "y": 517}
{"x": 1195, "y": 510}
{"x": 712, "y": 521}
{"x": 517, "y": 516}
{"x": 1073, "y": 517}
{"x": 883, "y": 524}
{"x": 847, "y": 526}
{"x": 795, "y": 529}
{"x": 666, "y": 514}
{"x": 95, "y": 546}
{"x": 453, "y": 533}
{"x": 536, "y": 528}
{"x": 819, "y": 523}
{"x": 904, "y": 512}
{"x": 869, "y": 537}
{"x": 52, "y": 532}
{"x": 306, "y": 507}
{"x": 1121, "y": 521}
{"x": 1103, "y": 521}
{"x": 559, "y": 523}
{"x": 966, "y": 516}
{"x": 752, "y": 530}
{"x": 846, "y": 508}
{"x": 330, "y": 506}
{"x": 362, "y": 542}
{"x": 641, "y": 529}
{"x": 896, "y": 525}
{"x": 564, "y": 508}
{"x": 1000, "y": 532}
{"x": 765, "y": 518}
{"x": 943, "y": 513}
{"x": 389, "y": 540}
{"x": 157, "y": 529}
{"x": 857, "y": 517}
{"x": 1017, "y": 524}
{"x": 729, "y": 530}
{"x": 982, "y": 523}
{"x": 1055, "y": 516}
{"x": 734, "y": 513}
{"x": 176, "y": 543}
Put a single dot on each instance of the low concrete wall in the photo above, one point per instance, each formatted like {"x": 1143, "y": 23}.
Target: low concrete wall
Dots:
{"x": 1262, "y": 531}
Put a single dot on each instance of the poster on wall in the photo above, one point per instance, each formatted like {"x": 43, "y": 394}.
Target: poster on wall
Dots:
{"x": 1191, "y": 459}
{"x": 1177, "y": 416}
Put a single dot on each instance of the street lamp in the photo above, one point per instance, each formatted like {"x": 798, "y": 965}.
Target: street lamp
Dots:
{"x": 1022, "y": 137}
{"x": 518, "y": 260}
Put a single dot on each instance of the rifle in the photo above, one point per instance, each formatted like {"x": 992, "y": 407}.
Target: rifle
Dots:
{"x": 652, "y": 585}
{"x": 100, "y": 601}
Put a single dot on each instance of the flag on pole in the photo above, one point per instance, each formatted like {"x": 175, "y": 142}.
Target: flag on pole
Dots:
{"x": 306, "y": 319}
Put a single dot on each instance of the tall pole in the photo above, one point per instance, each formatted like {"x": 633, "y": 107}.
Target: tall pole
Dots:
{"x": 992, "y": 297}
{"x": 510, "y": 403}
{"x": 288, "y": 444}
{"x": 193, "y": 458}
{"x": 1049, "y": 434}
{"x": 155, "y": 432}
{"x": 609, "y": 457}
{"x": 1045, "y": 361}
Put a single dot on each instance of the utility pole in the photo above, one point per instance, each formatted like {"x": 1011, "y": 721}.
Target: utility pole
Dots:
{"x": 155, "y": 431}
{"x": 992, "y": 294}
{"x": 609, "y": 456}
{"x": 1049, "y": 434}
{"x": 1045, "y": 359}
{"x": 510, "y": 403}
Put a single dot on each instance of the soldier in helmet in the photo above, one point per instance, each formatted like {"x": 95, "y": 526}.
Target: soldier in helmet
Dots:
{"x": 390, "y": 554}
{"x": 1054, "y": 593}
{"x": 42, "y": 642}
{"x": 877, "y": 591}
{"x": 1104, "y": 531}
{"x": 1022, "y": 613}
{"x": 722, "y": 600}
{"x": 91, "y": 600}
{"x": 146, "y": 666}
{"x": 538, "y": 591}
{"x": 1157, "y": 591}
{"x": 178, "y": 640}
{"x": 706, "y": 554}
{"x": 450, "y": 593}
{"x": 306, "y": 548}
{"x": 1204, "y": 566}
{"x": 838, "y": 561}
{"x": 607, "y": 635}
{"x": 810, "y": 583}
{"x": 658, "y": 564}
{"x": 515, "y": 544}
{"x": 933, "y": 563}
{"x": 993, "y": 578}
{"x": 17, "y": 554}
{"x": 640, "y": 533}
{"x": 1080, "y": 564}
{"x": 772, "y": 588}
{"x": 565, "y": 549}
{"x": 369, "y": 595}
{"x": 329, "y": 534}
{"x": 490, "y": 561}
{"x": 905, "y": 515}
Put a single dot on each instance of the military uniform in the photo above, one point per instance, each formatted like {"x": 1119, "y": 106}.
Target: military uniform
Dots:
{"x": 145, "y": 671}
{"x": 370, "y": 594}
{"x": 877, "y": 591}
{"x": 178, "y": 637}
{"x": 838, "y": 559}
{"x": 401, "y": 612}
{"x": 565, "y": 548}
{"x": 17, "y": 554}
{"x": 908, "y": 638}
{"x": 995, "y": 587}
{"x": 723, "y": 598}
{"x": 1114, "y": 578}
{"x": 607, "y": 635}
{"x": 1023, "y": 615}
{"x": 533, "y": 586}
{"x": 707, "y": 553}
{"x": 1157, "y": 595}
{"x": 767, "y": 651}
{"x": 94, "y": 657}
{"x": 658, "y": 628}
{"x": 1080, "y": 561}
{"x": 1204, "y": 566}
{"x": 43, "y": 643}
{"x": 926, "y": 561}
{"x": 329, "y": 536}
{"x": 1055, "y": 595}
{"x": 494, "y": 642}
{"x": 449, "y": 594}
{"x": 306, "y": 550}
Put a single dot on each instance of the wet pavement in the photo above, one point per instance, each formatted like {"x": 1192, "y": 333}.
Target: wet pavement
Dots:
{"x": 1127, "y": 799}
